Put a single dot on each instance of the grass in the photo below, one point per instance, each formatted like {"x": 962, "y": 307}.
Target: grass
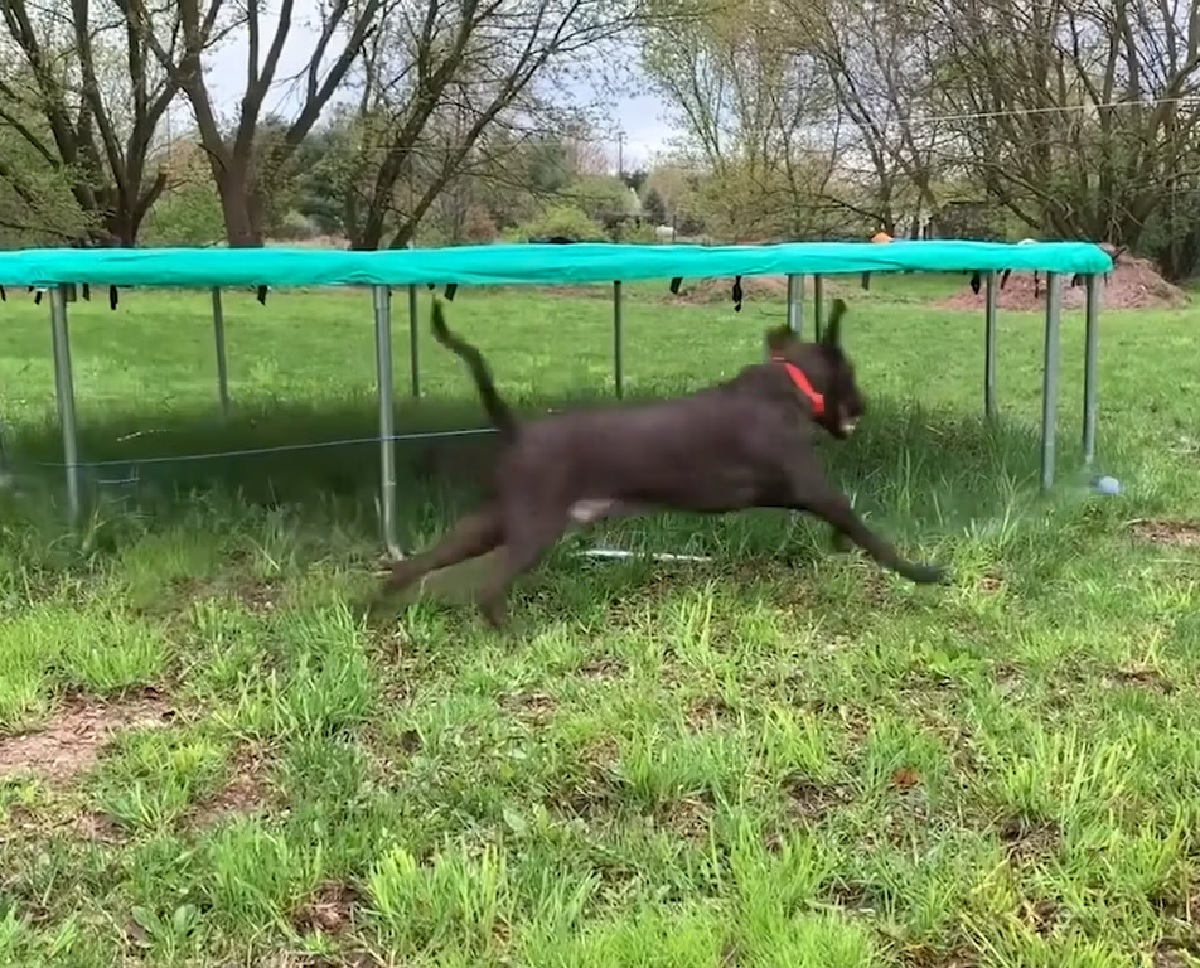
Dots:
{"x": 785, "y": 757}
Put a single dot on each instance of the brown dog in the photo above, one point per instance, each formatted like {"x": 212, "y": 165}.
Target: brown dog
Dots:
{"x": 745, "y": 443}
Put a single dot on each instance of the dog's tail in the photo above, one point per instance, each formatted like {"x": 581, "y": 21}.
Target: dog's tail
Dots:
{"x": 497, "y": 410}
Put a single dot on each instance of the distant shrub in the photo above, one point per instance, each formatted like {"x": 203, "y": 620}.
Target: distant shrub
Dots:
{"x": 563, "y": 220}
{"x": 643, "y": 234}
{"x": 295, "y": 227}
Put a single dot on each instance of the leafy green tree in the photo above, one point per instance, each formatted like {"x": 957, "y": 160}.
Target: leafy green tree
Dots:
{"x": 599, "y": 195}
{"x": 84, "y": 94}
{"x": 654, "y": 207}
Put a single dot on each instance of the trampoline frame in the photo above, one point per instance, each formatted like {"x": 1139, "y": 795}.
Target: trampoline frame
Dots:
{"x": 385, "y": 378}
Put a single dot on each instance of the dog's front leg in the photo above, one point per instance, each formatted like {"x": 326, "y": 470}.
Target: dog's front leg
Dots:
{"x": 814, "y": 494}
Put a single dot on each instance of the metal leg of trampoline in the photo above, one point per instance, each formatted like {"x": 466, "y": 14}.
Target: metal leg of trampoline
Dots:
{"x": 1050, "y": 376}
{"x": 382, "y": 300}
{"x": 818, "y": 306}
{"x": 414, "y": 348}
{"x": 64, "y": 387}
{"x": 1091, "y": 388}
{"x": 989, "y": 346}
{"x": 618, "y": 341}
{"x": 218, "y": 316}
{"x": 795, "y": 304}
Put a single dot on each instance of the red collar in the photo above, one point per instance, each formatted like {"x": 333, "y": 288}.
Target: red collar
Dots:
{"x": 803, "y": 385}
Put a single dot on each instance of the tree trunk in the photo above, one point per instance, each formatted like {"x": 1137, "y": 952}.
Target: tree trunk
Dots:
{"x": 240, "y": 205}
{"x": 404, "y": 234}
{"x": 121, "y": 229}
{"x": 367, "y": 236}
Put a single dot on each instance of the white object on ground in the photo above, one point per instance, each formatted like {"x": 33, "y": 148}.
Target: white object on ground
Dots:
{"x": 622, "y": 554}
{"x": 1108, "y": 485}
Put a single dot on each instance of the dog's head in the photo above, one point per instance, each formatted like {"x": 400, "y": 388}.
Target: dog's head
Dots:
{"x": 827, "y": 368}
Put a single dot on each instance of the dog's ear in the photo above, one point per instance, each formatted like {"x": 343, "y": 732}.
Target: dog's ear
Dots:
{"x": 779, "y": 339}
{"x": 833, "y": 329}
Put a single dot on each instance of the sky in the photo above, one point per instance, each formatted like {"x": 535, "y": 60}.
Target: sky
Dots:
{"x": 639, "y": 117}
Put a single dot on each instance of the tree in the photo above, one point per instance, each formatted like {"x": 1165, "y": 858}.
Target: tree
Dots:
{"x": 188, "y": 212}
{"x": 82, "y": 90}
{"x": 37, "y": 206}
{"x": 317, "y": 189}
{"x": 1079, "y": 117}
{"x": 250, "y": 162}
{"x": 447, "y": 86}
{"x": 676, "y": 185}
{"x": 752, "y": 99}
{"x": 876, "y": 56}
{"x": 598, "y": 196}
{"x": 655, "y": 207}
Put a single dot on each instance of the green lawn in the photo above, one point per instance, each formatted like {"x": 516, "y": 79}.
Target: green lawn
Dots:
{"x": 782, "y": 758}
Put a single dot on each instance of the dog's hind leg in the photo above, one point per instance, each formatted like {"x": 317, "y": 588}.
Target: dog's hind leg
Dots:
{"x": 817, "y": 497}
{"x": 526, "y": 540}
{"x": 475, "y": 535}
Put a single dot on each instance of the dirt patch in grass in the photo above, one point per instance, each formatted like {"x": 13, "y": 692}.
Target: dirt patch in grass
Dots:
{"x": 857, "y": 896}
{"x": 182, "y": 591}
{"x": 708, "y": 712}
{"x": 807, "y": 803}
{"x": 254, "y": 594}
{"x": 259, "y": 594}
{"x": 603, "y": 668}
{"x": 1179, "y": 534}
{"x": 330, "y": 910}
{"x": 246, "y": 791}
{"x": 300, "y": 959}
{"x": 853, "y": 721}
{"x": 23, "y": 823}
{"x": 991, "y": 583}
{"x": 927, "y": 957}
{"x": 810, "y": 801}
{"x": 97, "y": 828}
{"x": 1140, "y": 677}
{"x": 1041, "y": 914}
{"x": 1169, "y": 955}
{"x": 70, "y": 744}
{"x": 1027, "y": 840}
{"x": 596, "y": 790}
{"x": 537, "y": 708}
{"x": 689, "y": 818}
{"x": 408, "y": 742}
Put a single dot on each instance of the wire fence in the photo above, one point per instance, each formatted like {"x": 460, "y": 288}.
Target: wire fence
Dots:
{"x": 260, "y": 451}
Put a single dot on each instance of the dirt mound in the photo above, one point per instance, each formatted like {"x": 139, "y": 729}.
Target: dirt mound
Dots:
{"x": 754, "y": 288}
{"x": 1133, "y": 284}
{"x": 698, "y": 292}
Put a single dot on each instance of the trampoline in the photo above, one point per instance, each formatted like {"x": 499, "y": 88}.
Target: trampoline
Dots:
{"x": 59, "y": 271}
